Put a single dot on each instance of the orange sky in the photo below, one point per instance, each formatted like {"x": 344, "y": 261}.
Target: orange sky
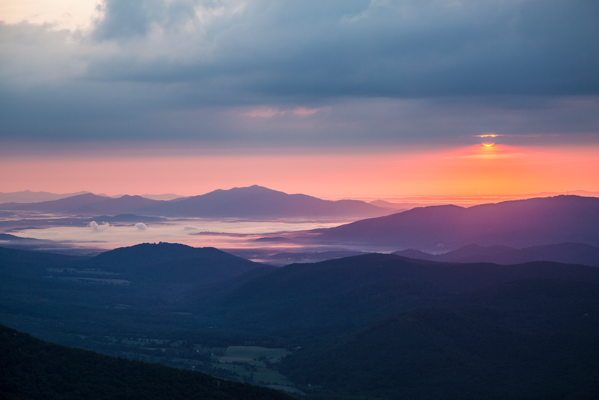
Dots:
{"x": 496, "y": 170}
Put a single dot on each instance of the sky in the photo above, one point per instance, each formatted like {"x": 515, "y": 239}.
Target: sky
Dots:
{"x": 334, "y": 99}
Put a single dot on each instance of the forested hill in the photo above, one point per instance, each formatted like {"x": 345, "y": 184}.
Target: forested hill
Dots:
{"x": 523, "y": 340}
{"x": 33, "y": 369}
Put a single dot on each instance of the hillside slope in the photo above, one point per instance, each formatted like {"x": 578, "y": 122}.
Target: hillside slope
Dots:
{"x": 33, "y": 369}
{"x": 531, "y": 339}
{"x": 348, "y": 292}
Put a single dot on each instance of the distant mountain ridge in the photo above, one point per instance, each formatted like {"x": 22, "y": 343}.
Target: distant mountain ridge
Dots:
{"x": 27, "y": 196}
{"x": 67, "y": 205}
{"x": 569, "y": 253}
{"x": 260, "y": 202}
{"x": 248, "y": 202}
{"x": 518, "y": 223}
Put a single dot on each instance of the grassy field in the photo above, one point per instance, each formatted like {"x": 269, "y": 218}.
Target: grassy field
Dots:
{"x": 288, "y": 389}
{"x": 81, "y": 271}
{"x": 256, "y": 353}
{"x": 212, "y": 350}
{"x": 260, "y": 375}
{"x": 252, "y": 364}
{"x": 95, "y": 280}
{"x": 255, "y": 364}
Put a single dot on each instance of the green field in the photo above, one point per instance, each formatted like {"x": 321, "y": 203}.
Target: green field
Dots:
{"x": 213, "y": 350}
{"x": 81, "y": 271}
{"x": 255, "y": 353}
{"x": 252, "y": 363}
{"x": 288, "y": 389}
{"x": 95, "y": 280}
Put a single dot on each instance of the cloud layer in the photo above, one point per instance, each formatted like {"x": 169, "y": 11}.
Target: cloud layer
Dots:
{"x": 313, "y": 73}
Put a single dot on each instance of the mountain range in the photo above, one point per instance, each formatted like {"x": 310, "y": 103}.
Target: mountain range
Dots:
{"x": 249, "y": 202}
{"x": 27, "y": 196}
{"x": 368, "y": 326}
{"x": 518, "y": 223}
{"x": 569, "y": 253}
{"x": 354, "y": 290}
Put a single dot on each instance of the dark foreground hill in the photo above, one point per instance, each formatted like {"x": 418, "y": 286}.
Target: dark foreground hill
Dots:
{"x": 531, "y": 339}
{"x": 569, "y": 253}
{"x": 520, "y": 223}
{"x": 33, "y": 369}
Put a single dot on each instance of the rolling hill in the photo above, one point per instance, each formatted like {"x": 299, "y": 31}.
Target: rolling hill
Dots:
{"x": 349, "y": 292}
{"x": 569, "y": 253}
{"x": 527, "y": 339}
{"x": 170, "y": 263}
{"x": 369, "y": 326}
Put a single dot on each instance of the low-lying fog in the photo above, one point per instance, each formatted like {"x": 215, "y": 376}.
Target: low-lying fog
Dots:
{"x": 193, "y": 232}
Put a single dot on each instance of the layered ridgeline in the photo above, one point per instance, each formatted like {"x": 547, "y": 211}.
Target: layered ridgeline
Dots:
{"x": 33, "y": 369}
{"x": 347, "y": 293}
{"x": 369, "y": 326}
{"x": 87, "y": 203}
{"x": 27, "y": 196}
{"x": 247, "y": 202}
{"x": 226, "y": 291}
{"x": 569, "y": 253}
{"x": 519, "y": 223}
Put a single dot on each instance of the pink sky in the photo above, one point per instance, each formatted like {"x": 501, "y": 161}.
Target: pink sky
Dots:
{"x": 471, "y": 170}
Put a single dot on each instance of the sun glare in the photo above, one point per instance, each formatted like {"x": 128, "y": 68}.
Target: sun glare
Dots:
{"x": 488, "y": 144}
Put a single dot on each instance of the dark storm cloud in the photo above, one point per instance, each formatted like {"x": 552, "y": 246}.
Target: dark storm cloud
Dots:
{"x": 407, "y": 48}
{"x": 389, "y": 71}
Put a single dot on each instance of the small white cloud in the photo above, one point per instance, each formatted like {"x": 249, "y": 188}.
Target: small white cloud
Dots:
{"x": 190, "y": 228}
{"x": 99, "y": 228}
{"x": 141, "y": 226}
